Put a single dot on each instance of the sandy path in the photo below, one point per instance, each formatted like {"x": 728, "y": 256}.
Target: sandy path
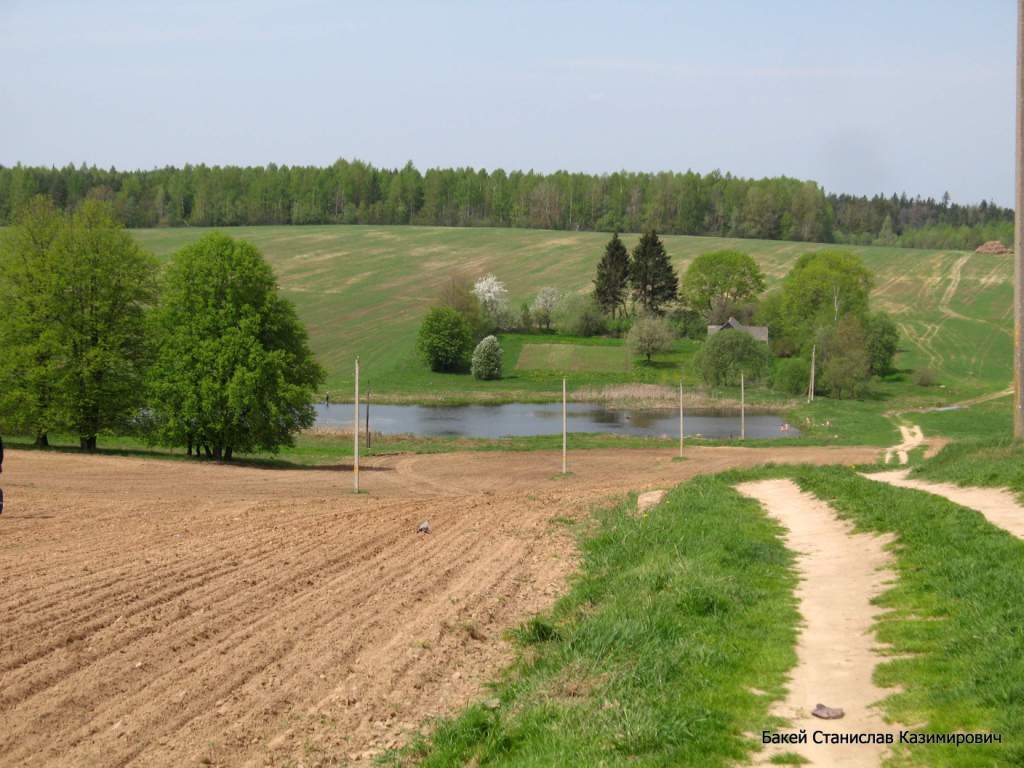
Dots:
{"x": 913, "y": 437}
{"x": 159, "y": 613}
{"x": 999, "y": 505}
{"x": 840, "y": 573}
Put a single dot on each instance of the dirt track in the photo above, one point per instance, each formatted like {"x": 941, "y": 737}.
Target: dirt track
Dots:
{"x": 164, "y": 613}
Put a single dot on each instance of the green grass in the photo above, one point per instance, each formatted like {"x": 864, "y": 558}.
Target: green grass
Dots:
{"x": 995, "y": 462}
{"x": 648, "y": 659}
{"x": 364, "y": 289}
{"x": 955, "y": 618}
{"x": 573, "y": 358}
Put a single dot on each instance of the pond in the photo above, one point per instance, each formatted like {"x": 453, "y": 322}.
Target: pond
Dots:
{"x": 528, "y": 419}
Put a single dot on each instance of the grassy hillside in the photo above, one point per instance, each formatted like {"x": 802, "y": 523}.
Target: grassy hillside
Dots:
{"x": 363, "y": 290}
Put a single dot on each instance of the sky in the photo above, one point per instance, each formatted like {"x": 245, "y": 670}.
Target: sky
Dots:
{"x": 865, "y": 97}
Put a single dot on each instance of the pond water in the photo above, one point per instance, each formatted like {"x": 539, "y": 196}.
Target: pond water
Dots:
{"x": 528, "y": 419}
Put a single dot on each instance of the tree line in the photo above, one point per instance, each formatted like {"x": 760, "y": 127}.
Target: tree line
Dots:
{"x": 354, "y": 192}
{"x": 96, "y": 338}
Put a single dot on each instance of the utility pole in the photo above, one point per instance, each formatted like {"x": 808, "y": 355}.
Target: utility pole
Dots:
{"x": 564, "y": 439}
{"x": 1018, "y": 243}
{"x": 743, "y": 409}
{"x": 814, "y": 350}
{"x": 681, "y": 432}
{"x": 355, "y": 424}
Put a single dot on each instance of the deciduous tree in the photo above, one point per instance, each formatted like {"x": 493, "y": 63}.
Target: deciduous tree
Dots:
{"x": 234, "y": 371}
{"x": 721, "y": 278}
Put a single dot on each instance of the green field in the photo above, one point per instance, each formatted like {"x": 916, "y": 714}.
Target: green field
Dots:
{"x": 362, "y": 290}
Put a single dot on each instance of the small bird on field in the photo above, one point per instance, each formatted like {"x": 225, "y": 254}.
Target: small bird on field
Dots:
{"x": 424, "y": 527}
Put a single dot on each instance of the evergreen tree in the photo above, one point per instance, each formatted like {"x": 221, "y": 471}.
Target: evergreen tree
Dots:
{"x": 612, "y": 277}
{"x": 653, "y": 279}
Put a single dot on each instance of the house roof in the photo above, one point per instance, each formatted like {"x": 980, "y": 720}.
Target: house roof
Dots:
{"x": 759, "y": 332}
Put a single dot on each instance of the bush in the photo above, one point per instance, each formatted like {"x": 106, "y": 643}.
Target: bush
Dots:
{"x": 544, "y": 306}
{"x": 649, "y": 335}
{"x": 619, "y": 326}
{"x": 487, "y": 359}
{"x": 688, "y": 323}
{"x": 729, "y": 353}
{"x": 791, "y": 376}
{"x": 883, "y": 337}
{"x": 579, "y": 316}
{"x": 925, "y": 377}
{"x": 445, "y": 340}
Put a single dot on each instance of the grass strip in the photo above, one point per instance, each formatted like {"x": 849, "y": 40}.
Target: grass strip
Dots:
{"x": 995, "y": 462}
{"x": 650, "y": 657}
{"x": 956, "y": 618}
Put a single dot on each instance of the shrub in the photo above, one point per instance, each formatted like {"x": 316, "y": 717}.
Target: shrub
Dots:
{"x": 458, "y": 294}
{"x": 792, "y": 376}
{"x": 729, "y": 353}
{"x": 925, "y": 377}
{"x": 445, "y": 340}
{"x": 493, "y": 297}
{"x": 579, "y": 316}
{"x": 487, "y": 359}
{"x": 619, "y": 326}
{"x": 544, "y": 307}
{"x": 525, "y": 318}
{"x": 883, "y": 337}
{"x": 649, "y": 335}
{"x": 688, "y": 323}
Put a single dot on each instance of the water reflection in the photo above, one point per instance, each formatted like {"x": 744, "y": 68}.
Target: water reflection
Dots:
{"x": 528, "y": 419}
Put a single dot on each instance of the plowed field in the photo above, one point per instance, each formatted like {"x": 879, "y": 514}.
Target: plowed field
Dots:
{"x": 163, "y": 613}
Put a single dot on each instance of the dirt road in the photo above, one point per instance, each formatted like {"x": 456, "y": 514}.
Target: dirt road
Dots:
{"x": 163, "y": 613}
{"x": 841, "y": 573}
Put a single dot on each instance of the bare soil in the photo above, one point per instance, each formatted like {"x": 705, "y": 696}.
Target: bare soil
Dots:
{"x": 841, "y": 572}
{"x": 168, "y": 613}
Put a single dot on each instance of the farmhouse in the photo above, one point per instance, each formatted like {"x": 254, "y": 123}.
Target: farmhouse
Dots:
{"x": 759, "y": 332}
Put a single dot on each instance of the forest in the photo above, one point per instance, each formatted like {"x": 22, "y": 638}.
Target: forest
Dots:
{"x": 355, "y": 192}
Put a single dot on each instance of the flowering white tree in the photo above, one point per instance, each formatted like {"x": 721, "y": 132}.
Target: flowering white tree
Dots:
{"x": 544, "y": 306}
{"x": 493, "y": 297}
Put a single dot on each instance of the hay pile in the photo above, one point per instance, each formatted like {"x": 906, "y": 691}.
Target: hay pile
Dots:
{"x": 992, "y": 246}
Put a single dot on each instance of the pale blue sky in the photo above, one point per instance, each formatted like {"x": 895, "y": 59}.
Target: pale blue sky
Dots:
{"x": 865, "y": 97}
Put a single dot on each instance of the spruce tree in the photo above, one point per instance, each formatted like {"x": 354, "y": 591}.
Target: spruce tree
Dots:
{"x": 651, "y": 275}
{"x": 612, "y": 277}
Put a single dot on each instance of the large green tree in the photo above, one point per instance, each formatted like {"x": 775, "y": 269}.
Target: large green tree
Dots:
{"x": 234, "y": 371}
{"x": 103, "y": 282}
{"x": 612, "y": 279}
{"x": 721, "y": 278}
{"x": 651, "y": 274}
{"x": 29, "y": 337}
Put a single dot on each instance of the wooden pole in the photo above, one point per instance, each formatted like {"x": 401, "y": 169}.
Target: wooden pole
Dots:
{"x": 367, "y": 419}
{"x": 743, "y": 409}
{"x": 355, "y": 462}
{"x": 810, "y": 388}
{"x": 564, "y": 424}
{"x": 681, "y": 431}
{"x": 1018, "y": 243}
